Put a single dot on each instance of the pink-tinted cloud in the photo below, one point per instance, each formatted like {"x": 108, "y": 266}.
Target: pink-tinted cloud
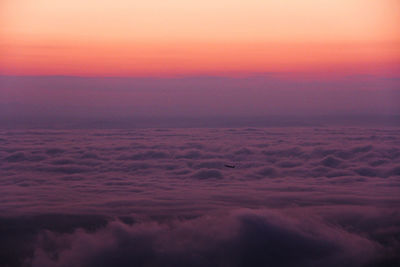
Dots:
{"x": 306, "y": 196}
{"x": 266, "y": 100}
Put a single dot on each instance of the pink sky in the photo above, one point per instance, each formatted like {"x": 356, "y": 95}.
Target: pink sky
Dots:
{"x": 273, "y": 58}
{"x": 176, "y": 37}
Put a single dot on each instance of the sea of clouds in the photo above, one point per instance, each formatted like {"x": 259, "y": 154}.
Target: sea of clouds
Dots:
{"x": 164, "y": 197}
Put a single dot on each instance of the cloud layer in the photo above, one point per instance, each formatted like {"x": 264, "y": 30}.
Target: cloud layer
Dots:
{"x": 164, "y": 197}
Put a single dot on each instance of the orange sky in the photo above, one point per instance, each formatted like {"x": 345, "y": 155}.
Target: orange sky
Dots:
{"x": 173, "y": 37}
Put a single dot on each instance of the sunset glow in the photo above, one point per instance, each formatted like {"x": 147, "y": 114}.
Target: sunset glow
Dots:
{"x": 175, "y": 37}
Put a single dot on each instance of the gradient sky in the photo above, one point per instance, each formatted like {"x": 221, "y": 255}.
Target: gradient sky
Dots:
{"x": 207, "y": 59}
{"x": 177, "y": 37}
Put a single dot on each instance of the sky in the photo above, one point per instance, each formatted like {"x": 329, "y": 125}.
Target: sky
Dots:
{"x": 174, "y": 58}
{"x": 176, "y": 37}
{"x": 265, "y": 100}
